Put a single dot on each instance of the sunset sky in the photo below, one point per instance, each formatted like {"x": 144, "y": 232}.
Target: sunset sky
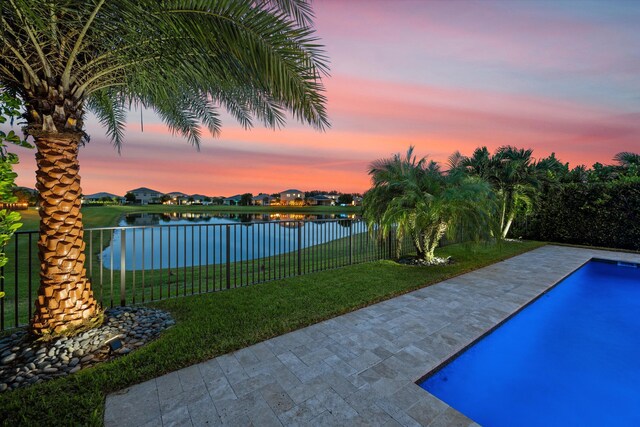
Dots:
{"x": 559, "y": 77}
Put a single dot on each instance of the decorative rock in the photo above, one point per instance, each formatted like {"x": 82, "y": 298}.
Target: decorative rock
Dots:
{"x": 24, "y": 362}
{"x": 10, "y": 358}
{"x": 86, "y": 358}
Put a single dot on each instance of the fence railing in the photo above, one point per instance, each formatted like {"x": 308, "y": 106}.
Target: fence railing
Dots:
{"x": 137, "y": 264}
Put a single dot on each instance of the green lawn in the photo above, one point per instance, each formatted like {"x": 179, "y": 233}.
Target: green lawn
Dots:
{"x": 217, "y": 323}
{"x": 158, "y": 283}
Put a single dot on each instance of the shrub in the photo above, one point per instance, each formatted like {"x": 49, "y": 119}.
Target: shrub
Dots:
{"x": 595, "y": 214}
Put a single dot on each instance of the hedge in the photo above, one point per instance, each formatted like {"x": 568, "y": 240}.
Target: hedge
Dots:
{"x": 594, "y": 214}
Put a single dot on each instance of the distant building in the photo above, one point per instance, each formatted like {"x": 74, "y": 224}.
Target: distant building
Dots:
{"x": 144, "y": 195}
{"x": 263, "y": 199}
{"x": 320, "y": 200}
{"x": 333, "y": 197}
{"x": 102, "y": 197}
{"x": 175, "y": 198}
{"x": 200, "y": 199}
{"x": 357, "y": 201}
{"x": 288, "y": 197}
{"x": 232, "y": 201}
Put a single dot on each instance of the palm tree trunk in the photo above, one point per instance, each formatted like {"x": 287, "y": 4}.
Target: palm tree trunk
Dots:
{"x": 504, "y": 212}
{"x": 417, "y": 243}
{"x": 64, "y": 298}
{"x": 432, "y": 240}
{"x": 507, "y": 226}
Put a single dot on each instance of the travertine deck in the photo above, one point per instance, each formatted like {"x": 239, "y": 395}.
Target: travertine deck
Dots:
{"x": 356, "y": 369}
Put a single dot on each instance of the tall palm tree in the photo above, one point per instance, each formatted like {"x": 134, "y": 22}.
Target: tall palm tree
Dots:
{"x": 417, "y": 199}
{"x": 184, "y": 59}
{"x": 513, "y": 176}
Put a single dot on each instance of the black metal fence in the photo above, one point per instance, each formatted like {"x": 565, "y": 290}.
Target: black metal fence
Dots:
{"x": 131, "y": 265}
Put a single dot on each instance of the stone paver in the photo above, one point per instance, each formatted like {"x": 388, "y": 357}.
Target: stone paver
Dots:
{"x": 357, "y": 369}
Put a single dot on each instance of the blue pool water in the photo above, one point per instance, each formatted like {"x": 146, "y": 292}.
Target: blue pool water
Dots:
{"x": 571, "y": 358}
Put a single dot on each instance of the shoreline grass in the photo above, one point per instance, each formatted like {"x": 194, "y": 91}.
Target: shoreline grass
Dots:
{"x": 209, "y": 325}
{"x": 108, "y": 216}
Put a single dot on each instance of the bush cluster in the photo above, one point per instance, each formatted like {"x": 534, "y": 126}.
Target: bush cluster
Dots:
{"x": 603, "y": 214}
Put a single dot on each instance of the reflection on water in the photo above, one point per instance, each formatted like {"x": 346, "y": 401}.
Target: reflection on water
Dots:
{"x": 138, "y": 219}
{"x": 176, "y": 240}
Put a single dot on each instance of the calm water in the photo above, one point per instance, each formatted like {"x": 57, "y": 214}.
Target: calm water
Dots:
{"x": 569, "y": 359}
{"x": 183, "y": 239}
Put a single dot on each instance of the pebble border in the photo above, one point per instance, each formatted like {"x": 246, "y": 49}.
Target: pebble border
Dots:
{"x": 24, "y": 361}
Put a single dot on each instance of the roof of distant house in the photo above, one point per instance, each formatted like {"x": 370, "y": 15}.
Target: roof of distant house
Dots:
{"x": 199, "y": 196}
{"x": 144, "y": 190}
{"x": 292, "y": 190}
{"x": 261, "y": 195}
{"x": 236, "y": 197}
{"x": 101, "y": 195}
{"x": 177, "y": 194}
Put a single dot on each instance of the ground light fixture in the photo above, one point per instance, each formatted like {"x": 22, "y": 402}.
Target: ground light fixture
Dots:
{"x": 114, "y": 343}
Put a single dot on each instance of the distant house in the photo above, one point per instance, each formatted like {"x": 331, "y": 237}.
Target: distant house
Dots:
{"x": 262, "y": 199}
{"x": 176, "y": 198}
{"x": 320, "y": 200}
{"x": 357, "y": 201}
{"x": 102, "y": 197}
{"x": 144, "y": 195}
{"x": 333, "y": 197}
{"x": 200, "y": 199}
{"x": 288, "y": 197}
{"x": 232, "y": 201}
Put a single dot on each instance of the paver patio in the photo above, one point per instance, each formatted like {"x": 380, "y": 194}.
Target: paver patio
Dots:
{"x": 356, "y": 369}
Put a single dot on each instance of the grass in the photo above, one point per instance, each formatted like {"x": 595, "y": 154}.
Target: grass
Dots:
{"x": 106, "y": 216}
{"x": 213, "y": 324}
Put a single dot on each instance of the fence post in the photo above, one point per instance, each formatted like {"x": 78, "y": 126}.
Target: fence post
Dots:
{"x": 350, "y": 241}
{"x": 123, "y": 265}
{"x": 300, "y": 248}
{"x": 228, "y": 228}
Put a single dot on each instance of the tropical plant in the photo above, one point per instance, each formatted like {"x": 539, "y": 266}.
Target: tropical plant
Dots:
{"x": 414, "y": 197}
{"x": 345, "y": 199}
{"x": 513, "y": 175}
{"x": 627, "y": 159}
{"x": 182, "y": 59}
{"x": 9, "y": 221}
{"x": 246, "y": 199}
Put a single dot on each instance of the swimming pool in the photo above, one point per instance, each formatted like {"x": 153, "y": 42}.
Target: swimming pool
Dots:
{"x": 571, "y": 357}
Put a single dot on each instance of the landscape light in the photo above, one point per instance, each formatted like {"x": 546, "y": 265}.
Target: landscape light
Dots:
{"x": 114, "y": 343}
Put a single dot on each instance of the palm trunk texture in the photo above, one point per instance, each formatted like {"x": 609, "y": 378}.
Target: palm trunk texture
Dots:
{"x": 65, "y": 298}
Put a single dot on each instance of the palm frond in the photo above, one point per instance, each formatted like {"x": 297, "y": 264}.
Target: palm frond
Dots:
{"x": 184, "y": 59}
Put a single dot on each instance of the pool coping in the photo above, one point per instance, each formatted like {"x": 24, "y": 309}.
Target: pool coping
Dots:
{"x": 361, "y": 367}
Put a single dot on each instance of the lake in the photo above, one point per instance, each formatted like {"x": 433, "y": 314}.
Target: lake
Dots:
{"x": 174, "y": 240}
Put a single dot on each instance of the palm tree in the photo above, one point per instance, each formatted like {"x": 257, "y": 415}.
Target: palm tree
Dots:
{"x": 627, "y": 159}
{"x": 511, "y": 172}
{"x": 184, "y": 59}
{"x": 417, "y": 199}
